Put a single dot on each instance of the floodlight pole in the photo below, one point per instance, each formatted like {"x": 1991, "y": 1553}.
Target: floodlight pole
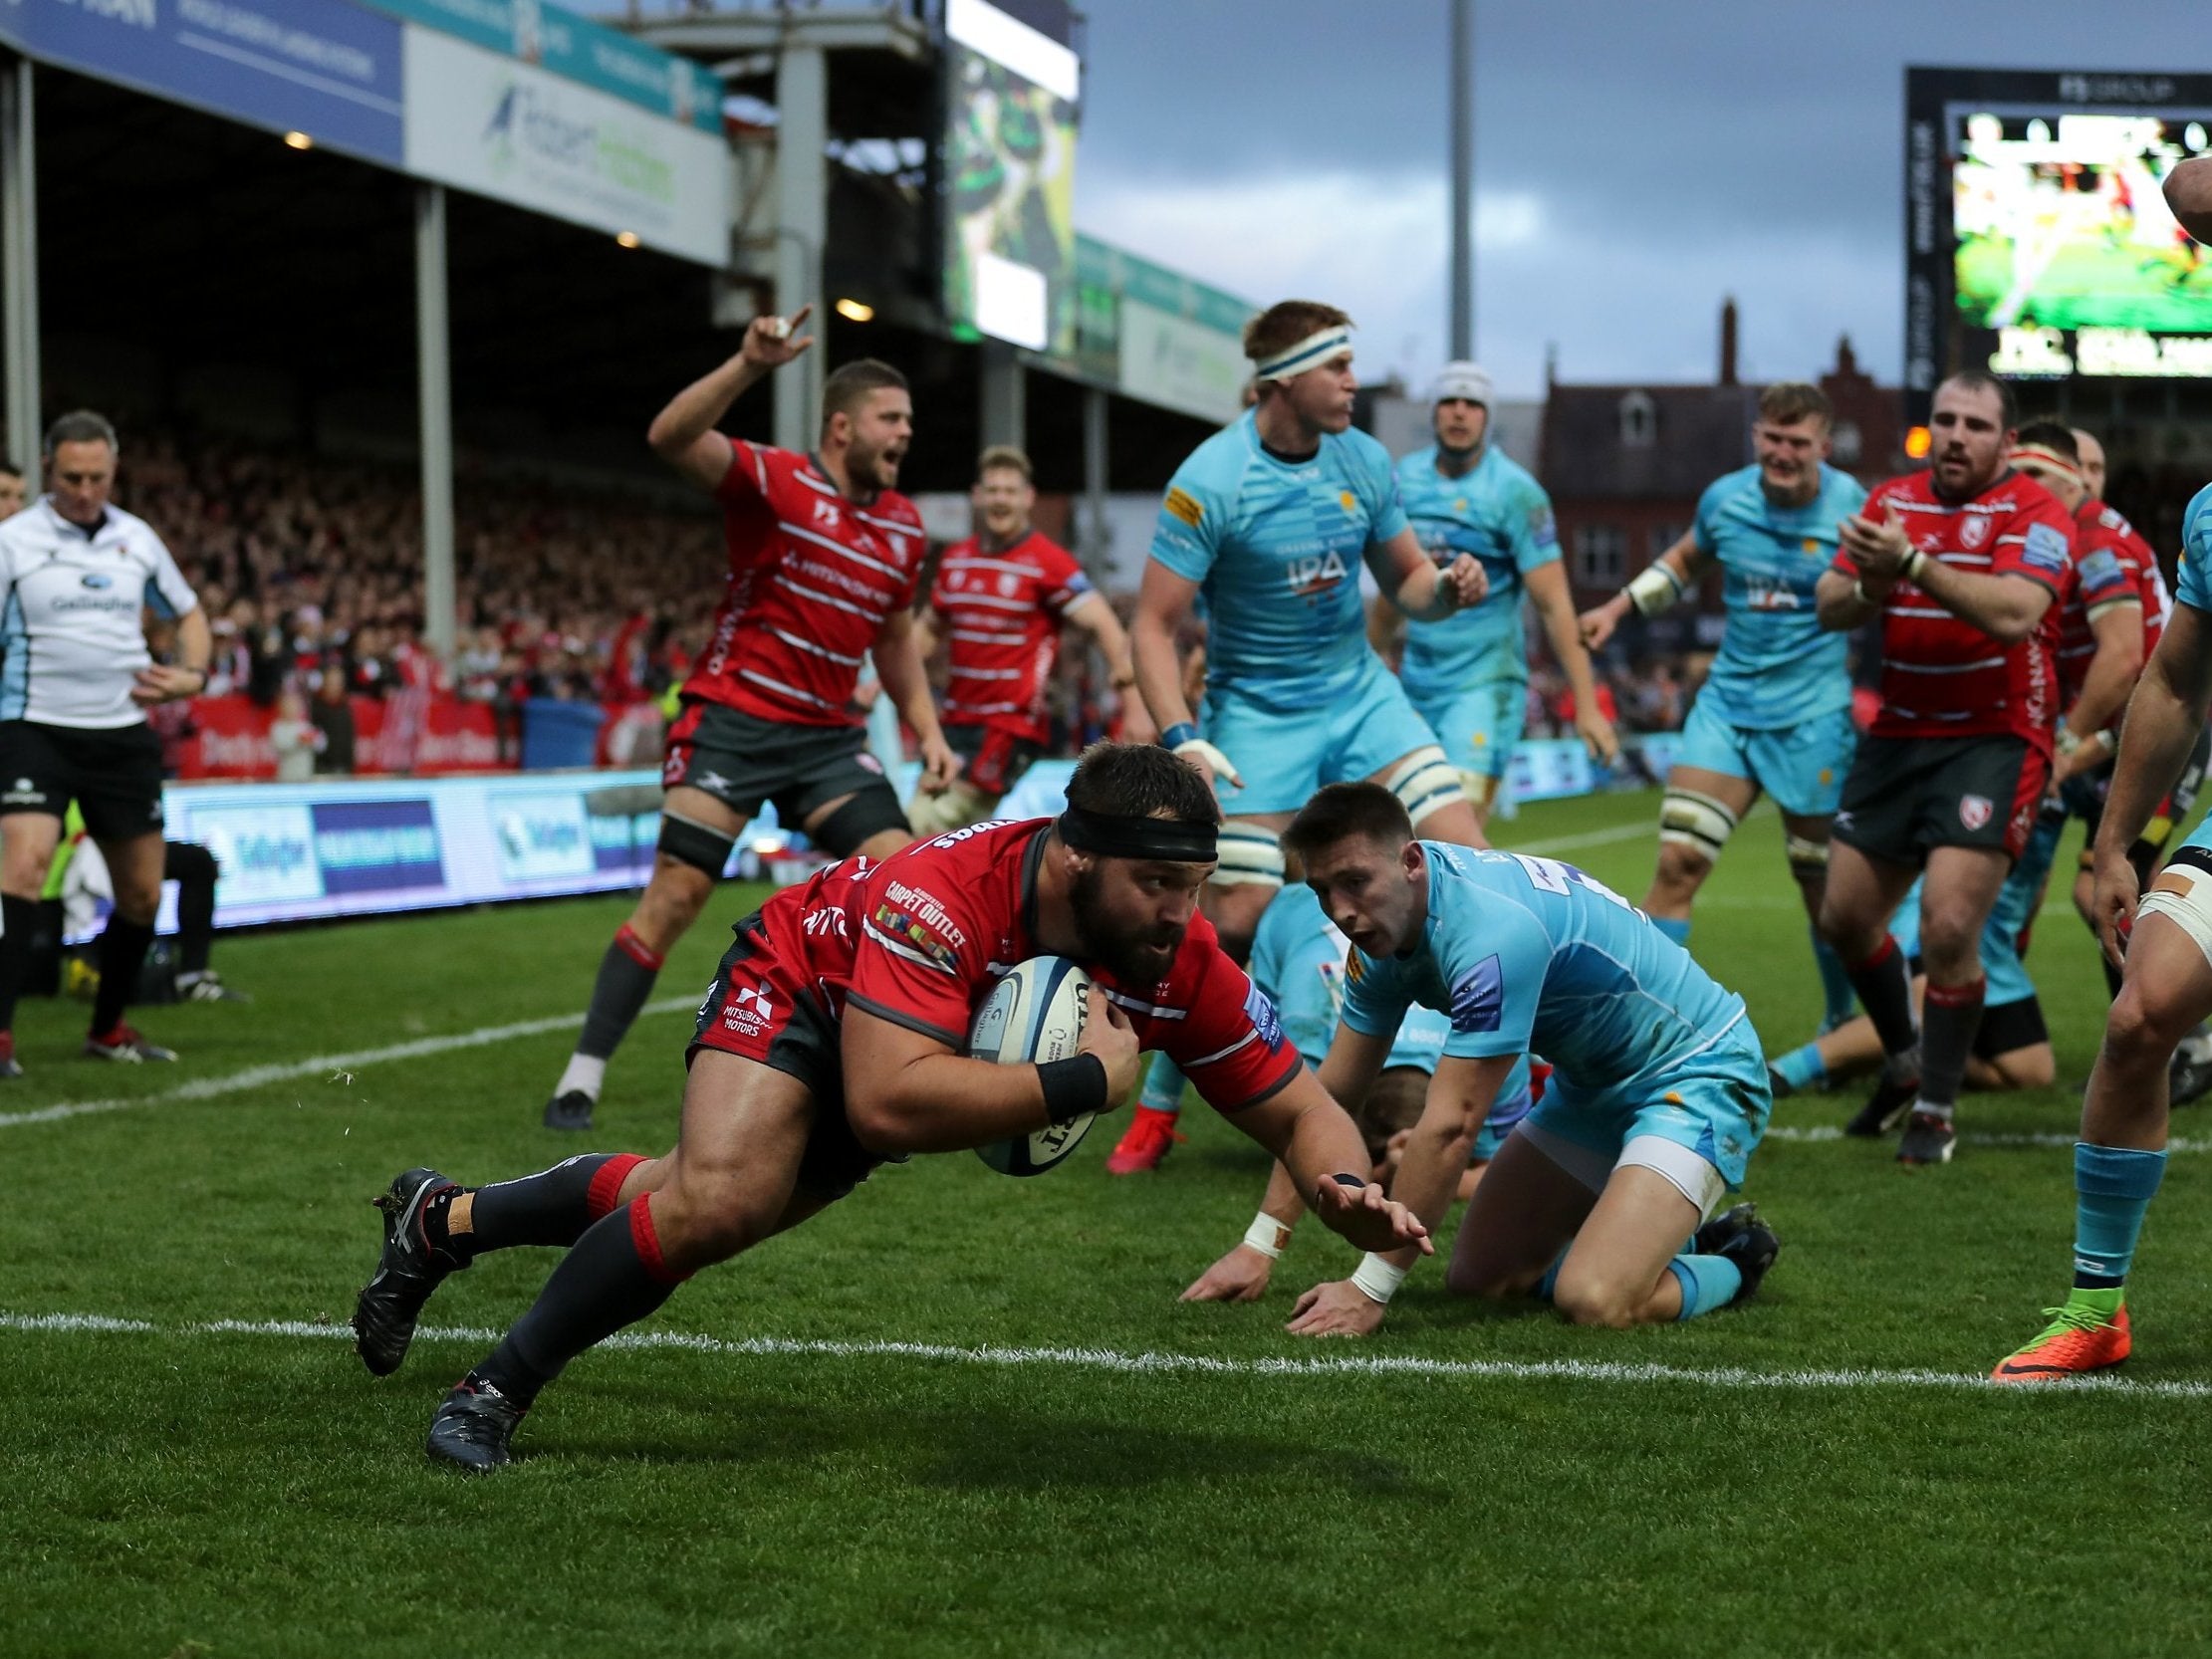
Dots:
{"x": 801, "y": 228}
{"x": 1004, "y": 411}
{"x": 1463, "y": 179}
{"x": 19, "y": 255}
{"x": 1097, "y": 538}
{"x": 434, "y": 385}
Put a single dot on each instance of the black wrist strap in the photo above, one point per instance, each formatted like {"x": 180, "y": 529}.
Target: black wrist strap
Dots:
{"x": 1074, "y": 1087}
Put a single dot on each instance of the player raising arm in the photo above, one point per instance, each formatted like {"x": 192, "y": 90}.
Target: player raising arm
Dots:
{"x": 1657, "y": 1100}
{"x": 831, "y": 1042}
{"x": 824, "y": 557}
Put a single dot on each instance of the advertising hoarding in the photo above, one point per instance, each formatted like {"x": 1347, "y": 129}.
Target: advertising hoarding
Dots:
{"x": 319, "y": 67}
{"x": 487, "y": 121}
{"x": 1009, "y": 167}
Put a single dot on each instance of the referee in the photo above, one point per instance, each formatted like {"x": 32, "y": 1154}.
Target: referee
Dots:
{"x": 75, "y": 680}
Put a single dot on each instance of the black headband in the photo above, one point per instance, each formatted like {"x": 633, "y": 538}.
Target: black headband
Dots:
{"x": 1113, "y": 836}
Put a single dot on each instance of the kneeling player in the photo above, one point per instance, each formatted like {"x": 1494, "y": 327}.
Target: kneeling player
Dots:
{"x": 1657, "y": 1097}
{"x": 1298, "y": 959}
{"x": 830, "y": 1042}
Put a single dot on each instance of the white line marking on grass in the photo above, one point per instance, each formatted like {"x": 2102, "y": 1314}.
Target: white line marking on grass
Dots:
{"x": 1148, "y": 1364}
{"x": 1648, "y": 828}
{"x": 254, "y": 1076}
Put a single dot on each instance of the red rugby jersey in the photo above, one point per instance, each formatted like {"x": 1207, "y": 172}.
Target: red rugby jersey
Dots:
{"x": 1003, "y": 613}
{"x": 2110, "y": 560}
{"x": 2103, "y": 526}
{"x": 920, "y": 937}
{"x": 813, "y": 577}
{"x": 1943, "y": 677}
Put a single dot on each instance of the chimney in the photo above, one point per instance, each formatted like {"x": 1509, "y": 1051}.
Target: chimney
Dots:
{"x": 1847, "y": 360}
{"x": 1728, "y": 341}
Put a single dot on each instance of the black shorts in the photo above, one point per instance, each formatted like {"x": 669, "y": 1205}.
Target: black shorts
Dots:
{"x": 995, "y": 758}
{"x": 2009, "y": 1026}
{"x": 756, "y": 1011}
{"x": 113, "y": 773}
{"x": 742, "y": 760}
{"x": 2084, "y": 799}
{"x": 1907, "y": 795}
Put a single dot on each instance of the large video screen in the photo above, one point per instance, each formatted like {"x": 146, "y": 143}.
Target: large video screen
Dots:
{"x": 1014, "y": 88}
{"x": 2064, "y": 248}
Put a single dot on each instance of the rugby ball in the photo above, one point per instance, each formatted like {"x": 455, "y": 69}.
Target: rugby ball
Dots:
{"x": 1033, "y": 1016}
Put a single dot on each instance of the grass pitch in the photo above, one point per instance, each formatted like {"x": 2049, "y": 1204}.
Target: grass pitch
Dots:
{"x": 961, "y": 1414}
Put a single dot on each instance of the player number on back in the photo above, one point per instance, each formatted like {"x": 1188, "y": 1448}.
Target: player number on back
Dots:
{"x": 1550, "y": 876}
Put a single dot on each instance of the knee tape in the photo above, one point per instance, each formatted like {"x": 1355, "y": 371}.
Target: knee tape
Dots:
{"x": 691, "y": 842}
{"x": 1424, "y": 783}
{"x": 1249, "y": 857}
{"x": 1808, "y": 859}
{"x": 870, "y": 811}
{"x": 958, "y": 807}
{"x": 1696, "y": 821}
{"x": 1480, "y": 789}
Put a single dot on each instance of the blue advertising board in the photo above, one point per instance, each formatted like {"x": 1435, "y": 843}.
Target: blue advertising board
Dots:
{"x": 325, "y": 68}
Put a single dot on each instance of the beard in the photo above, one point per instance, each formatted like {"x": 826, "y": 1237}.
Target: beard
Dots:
{"x": 1146, "y": 959}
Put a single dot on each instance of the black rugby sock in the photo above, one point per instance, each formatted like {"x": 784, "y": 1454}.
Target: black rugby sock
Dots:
{"x": 1887, "y": 995}
{"x": 614, "y": 1277}
{"x": 1951, "y": 1015}
{"x": 123, "y": 953}
{"x": 552, "y": 1207}
{"x": 626, "y": 981}
{"x": 18, "y": 916}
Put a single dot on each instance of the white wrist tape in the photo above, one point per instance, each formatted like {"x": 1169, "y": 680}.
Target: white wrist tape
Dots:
{"x": 1267, "y": 1236}
{"x": 1915, "y": 562}
{"x": 1654, "y": 588}
{"x": 1198, "y": 749}
{"x": 1376, "y": 1278}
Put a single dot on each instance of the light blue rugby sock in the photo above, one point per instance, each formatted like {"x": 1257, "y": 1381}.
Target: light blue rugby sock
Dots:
{"x": 1708, "y": 1282}
{"x": 1836, "y": 984}
{"x": 1164, "y": 1085}
{"x": 1803, "y": 1068}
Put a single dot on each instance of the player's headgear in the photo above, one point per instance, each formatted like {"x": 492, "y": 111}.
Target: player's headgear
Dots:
{"x": 1315, "y": 349}
{"x": 1137, "y": 800}
{"x": 1463, "y": 379}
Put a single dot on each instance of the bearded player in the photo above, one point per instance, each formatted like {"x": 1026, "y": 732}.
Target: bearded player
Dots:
{"x": 824, "y": 555}
{"x": 1267, "y": 524}
{"x": 831, "y": 1040}
{"x": 1966, "y": 565}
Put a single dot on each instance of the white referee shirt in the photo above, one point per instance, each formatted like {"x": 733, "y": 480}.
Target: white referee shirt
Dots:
{"x": 71, "y": 629}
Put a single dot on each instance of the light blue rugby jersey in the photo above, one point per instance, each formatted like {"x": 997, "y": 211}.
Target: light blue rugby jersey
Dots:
{"x": 1776, "y": 668}
{"x": 1528, "y": 954}
{"x": 1500, "y": 515}
{"x": 1298, "y": 958}
{"x": 2193, "y": 575}
{"x": 1275, "y": 548}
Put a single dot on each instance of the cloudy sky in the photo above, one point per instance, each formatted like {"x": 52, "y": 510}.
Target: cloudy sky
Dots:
{"x": 1633, "y": 161}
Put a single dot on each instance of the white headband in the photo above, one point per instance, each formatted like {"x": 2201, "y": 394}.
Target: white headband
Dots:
{"x": 1310, "y": 352}
{"x": 1463, "y": 379}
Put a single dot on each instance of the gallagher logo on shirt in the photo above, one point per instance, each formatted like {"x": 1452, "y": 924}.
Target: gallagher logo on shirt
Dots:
{"x": 1259, "y": 1008}
{"x": 1478, "y": 997}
